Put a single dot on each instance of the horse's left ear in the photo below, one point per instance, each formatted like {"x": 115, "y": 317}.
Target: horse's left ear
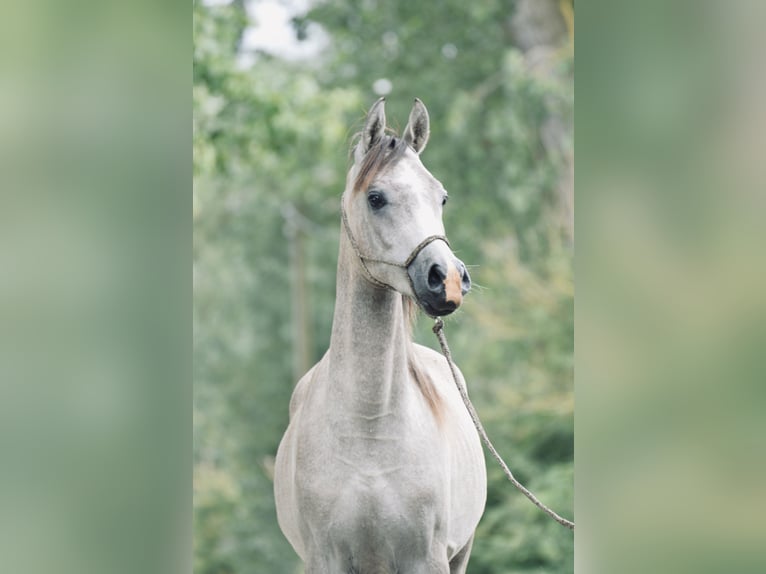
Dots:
{"x": 418, "y": 127}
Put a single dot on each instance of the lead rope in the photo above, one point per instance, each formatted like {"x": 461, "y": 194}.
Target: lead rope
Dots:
{"x": 438, "y": 330}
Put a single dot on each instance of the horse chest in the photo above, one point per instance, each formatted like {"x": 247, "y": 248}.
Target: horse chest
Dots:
{"x": 376, "y": 500}
{"x": 376, "y": 469}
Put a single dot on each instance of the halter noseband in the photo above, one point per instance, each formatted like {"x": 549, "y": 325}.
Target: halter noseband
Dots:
{"x": 363, "y": 259}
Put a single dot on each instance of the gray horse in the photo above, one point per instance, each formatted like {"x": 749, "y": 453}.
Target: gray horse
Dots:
{"x": 380, "y": 469}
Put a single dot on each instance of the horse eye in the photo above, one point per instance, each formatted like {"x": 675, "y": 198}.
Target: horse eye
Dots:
{"x": 376, "y": 199}
{"x": 444, "y": 199}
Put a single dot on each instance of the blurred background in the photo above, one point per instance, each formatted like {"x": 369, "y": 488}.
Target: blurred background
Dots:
{"x": 279, "y": 90}
{"x": 95, "y": 229}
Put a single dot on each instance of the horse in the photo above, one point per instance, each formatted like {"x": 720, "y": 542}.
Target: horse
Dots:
{"x": 380, "y": 470}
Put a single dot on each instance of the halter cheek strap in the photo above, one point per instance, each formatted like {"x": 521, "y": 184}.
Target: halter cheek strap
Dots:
{"x": 364, "y": 259}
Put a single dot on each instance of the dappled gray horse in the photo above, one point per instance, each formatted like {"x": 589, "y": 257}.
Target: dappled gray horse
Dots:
{"x": 380, "y": 469}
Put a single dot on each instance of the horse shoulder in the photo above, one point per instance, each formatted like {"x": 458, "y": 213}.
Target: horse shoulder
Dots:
{"x": 469, "y": 481}
{"x": 436, "y": 365}
{"x": 301, "y": 389}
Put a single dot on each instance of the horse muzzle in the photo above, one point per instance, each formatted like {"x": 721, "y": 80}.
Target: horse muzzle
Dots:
{"x": 439, "y": 282}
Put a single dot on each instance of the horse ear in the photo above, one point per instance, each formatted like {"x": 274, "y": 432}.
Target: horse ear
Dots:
{"x": 374, "y": 128}
{"x": 418, "y": 127}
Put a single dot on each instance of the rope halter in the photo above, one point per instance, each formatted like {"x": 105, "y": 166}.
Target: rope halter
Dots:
{"x": 364, "y": 259}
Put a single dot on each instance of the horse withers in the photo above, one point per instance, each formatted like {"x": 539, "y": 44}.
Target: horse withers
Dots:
{"x": 381, "y": 470}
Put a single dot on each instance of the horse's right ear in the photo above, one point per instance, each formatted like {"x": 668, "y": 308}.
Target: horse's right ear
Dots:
{"x": 417, "y": 130}
{"x": 374, "y": 128}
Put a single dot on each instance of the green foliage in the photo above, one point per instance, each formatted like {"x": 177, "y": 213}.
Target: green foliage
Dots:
{"x": 272, "y": 140}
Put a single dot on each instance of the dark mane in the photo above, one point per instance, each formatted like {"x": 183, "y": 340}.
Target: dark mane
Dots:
{"x": 383, "y": 153}
{"x": 422, "y": 379}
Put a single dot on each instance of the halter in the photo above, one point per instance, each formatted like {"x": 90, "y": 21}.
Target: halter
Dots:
{"x": 364, "y": 259}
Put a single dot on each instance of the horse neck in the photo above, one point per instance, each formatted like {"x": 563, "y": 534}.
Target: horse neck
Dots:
{"x": 370, "y": 339}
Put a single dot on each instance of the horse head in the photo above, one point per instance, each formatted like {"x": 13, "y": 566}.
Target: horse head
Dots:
{"x": 392, "y": 213}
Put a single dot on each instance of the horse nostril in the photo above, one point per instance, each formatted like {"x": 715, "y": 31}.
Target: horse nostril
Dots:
{"x": 465, "y": 279}
{"x": 436, "y": 276}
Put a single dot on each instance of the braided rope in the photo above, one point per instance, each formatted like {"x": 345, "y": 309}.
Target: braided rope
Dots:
{"x": 438, "y": 329}
{"x": 364, "y": 259}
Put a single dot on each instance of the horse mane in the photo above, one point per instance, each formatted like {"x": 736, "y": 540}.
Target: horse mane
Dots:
{"x": 383, "y": 153}
{"x": 422, "y": 379}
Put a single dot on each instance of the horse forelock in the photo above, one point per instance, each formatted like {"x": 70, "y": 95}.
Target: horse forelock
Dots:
{"x": 385, "y": 152}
